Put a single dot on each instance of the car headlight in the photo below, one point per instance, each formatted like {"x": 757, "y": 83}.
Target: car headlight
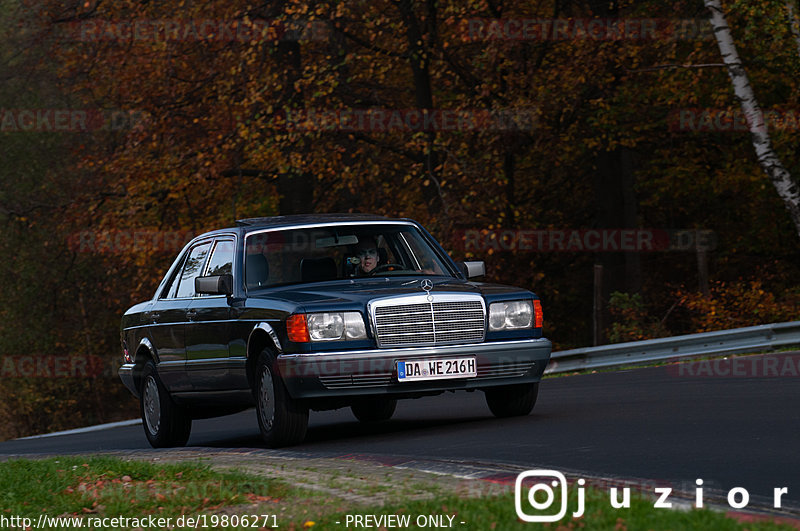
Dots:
{"x": 327, "y": 326}
{"x": 354, "y": 326}
{"x": 511, "y": 315}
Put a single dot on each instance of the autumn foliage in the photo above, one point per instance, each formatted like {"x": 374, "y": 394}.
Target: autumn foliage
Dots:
{"x": 228, "y": 110}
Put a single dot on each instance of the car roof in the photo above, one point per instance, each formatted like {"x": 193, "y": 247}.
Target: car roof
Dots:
{"x": 251, "y": 224}
{"x": 308, "y": 219}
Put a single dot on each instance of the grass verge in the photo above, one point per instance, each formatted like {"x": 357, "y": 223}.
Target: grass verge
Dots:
{"x": 97, "y": 490}
{"x": 498, "y": 513}
{"x": 103, "y": 487}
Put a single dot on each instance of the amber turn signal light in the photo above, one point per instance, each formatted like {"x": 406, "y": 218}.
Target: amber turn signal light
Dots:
{"x": 538, "y": 318}
{"x": 297, "y": 328}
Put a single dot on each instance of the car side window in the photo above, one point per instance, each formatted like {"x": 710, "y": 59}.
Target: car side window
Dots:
{"x": 169, "y": 289}
{"x": 221, "y": 261}
{"x": 422, "y": 258}
{"x": 191, "y": 269}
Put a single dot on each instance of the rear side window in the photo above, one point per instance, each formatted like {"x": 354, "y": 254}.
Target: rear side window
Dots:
{"x": 169, "y": 290}
{"x": 191, "y": 269}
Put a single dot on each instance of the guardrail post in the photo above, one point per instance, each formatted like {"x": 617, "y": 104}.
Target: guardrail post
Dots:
{"x": 702, "y": 268}
{"x": 597, "y": 319}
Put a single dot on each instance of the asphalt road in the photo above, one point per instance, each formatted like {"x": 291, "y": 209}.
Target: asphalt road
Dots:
{"x": 661, "y": 424}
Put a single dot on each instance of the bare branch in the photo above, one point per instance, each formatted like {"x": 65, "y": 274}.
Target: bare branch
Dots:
{"x": 675, "y": 66}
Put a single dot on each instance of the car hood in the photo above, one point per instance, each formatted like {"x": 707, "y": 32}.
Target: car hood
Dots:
{"x": 358, "y": 292}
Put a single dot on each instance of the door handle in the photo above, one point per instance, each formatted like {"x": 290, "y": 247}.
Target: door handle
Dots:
{"x": 153, "y": 316}
{"x": 191, "y": 314}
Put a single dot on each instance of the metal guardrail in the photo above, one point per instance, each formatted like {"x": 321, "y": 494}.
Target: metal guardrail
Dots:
{"x": 738, "y": 340}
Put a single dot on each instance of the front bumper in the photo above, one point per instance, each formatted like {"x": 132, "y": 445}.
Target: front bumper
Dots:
{"x": 374, "y": 372}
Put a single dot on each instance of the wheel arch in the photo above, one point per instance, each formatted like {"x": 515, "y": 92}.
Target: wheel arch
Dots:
{"x": 262, "y": 336}
{"x": 144, "y": 352}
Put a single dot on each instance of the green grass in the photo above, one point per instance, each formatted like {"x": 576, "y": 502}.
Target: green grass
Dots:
{"x": 110, "y": 487}
{"x": 101, "y": 486}
{"x": 498, "y": 513}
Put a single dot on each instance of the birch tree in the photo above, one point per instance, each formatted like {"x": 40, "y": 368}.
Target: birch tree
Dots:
{"x": 794, "y": 23}
{"x": 770, "y": 162}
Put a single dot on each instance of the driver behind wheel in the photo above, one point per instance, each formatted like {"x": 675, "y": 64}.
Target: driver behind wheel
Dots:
{"x": 367, "y": 254}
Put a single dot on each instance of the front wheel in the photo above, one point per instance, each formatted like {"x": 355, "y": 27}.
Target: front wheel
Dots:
{"x": 374, "y": 410}
{"x": 165, "y": 423}
{"x": 512, "y": 400}
{"x": 282, "y": 420}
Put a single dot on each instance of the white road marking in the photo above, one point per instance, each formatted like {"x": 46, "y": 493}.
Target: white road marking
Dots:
{"x": 87, "y": 429}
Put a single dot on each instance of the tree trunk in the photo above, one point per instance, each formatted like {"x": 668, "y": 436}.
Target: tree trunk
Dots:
{"x": 781, "y": 179}
{"x": 616, "y": 208}
{"x": 794, "y": 23}
{"x": 615, "y": 205}
{"x": 419, "y": 60}
{"x": 296, "y": 186}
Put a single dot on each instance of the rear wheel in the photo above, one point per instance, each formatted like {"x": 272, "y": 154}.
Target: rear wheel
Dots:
{"x": 165, "y": 423}
{"x": 374, "y": 410}
{"x": 282, "y": 420}
{"x": 512, "y": 400}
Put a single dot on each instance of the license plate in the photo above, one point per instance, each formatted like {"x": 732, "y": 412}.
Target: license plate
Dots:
{"x": 416, "y": 370}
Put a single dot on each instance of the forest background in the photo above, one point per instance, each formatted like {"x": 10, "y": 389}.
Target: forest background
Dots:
{"x": 511, "y": 130}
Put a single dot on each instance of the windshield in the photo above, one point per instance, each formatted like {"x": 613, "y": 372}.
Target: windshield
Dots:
{"x": 290, "y": 256}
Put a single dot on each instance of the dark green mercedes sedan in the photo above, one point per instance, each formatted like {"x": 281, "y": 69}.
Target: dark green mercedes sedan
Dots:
{"x": 298, "y": 313}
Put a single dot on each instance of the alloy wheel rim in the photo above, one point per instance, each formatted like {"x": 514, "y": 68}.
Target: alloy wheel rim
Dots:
{"x": 152, "y": 405}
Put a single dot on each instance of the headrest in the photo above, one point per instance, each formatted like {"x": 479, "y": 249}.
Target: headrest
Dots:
{"x": 256, "y": 270}
{"x": 317, "y": 269}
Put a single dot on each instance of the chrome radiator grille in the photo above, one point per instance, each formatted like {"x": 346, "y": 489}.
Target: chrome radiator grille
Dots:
{"x": 415, "y": 320}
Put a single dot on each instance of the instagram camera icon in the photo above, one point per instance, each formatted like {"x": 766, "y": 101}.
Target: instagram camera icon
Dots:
{"x": 551, "y": 477}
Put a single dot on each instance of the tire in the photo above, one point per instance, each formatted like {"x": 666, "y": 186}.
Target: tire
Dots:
{"x": 282, "y": 420}
{"x": 165, "y": 423}
{"x": 374, "y": 410}
{"x": 512, "y": 400}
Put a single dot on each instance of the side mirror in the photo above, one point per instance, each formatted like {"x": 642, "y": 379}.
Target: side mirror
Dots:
{"x": 216, "y": 285}
{"x": 473, "y": 269}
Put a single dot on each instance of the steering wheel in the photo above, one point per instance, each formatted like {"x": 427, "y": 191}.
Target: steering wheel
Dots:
{"x": 386, "y": 267}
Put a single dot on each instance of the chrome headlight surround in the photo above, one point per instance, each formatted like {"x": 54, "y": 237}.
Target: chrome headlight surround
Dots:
{"x": 510, "y": 315}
